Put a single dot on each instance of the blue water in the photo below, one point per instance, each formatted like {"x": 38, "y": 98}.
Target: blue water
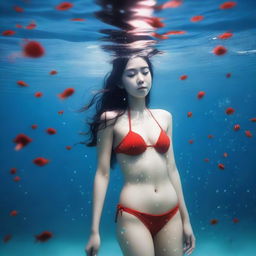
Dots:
{"x": 58, "y": 197}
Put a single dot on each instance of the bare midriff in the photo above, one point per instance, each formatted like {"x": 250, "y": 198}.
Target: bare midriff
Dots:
{"x": 147, "y": 185}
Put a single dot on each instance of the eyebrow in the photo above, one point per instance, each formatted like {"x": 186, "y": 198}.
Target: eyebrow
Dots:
{"x": 133, "y": 69}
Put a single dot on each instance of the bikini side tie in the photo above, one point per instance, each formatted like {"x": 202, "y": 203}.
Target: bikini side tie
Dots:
{"x": 119, "y": 208}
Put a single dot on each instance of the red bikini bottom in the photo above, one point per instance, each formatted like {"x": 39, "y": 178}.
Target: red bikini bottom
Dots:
{"x": 154, "y": 222}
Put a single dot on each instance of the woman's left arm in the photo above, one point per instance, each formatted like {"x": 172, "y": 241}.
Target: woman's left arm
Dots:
{"x": 175, "y": 179}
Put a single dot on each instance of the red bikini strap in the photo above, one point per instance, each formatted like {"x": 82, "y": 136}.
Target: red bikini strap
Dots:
{"x": 154, "y": 118}
{"x": 129, "y": 117}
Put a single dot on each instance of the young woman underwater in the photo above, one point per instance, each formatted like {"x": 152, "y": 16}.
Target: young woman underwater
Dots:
{"x": 151, "y": 216}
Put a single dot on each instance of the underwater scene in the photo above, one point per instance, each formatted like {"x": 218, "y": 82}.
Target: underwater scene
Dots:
{"x": 55, "y": 56}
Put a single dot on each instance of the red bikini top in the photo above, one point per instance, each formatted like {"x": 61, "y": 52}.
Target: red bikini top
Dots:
{"x": 134, "y": 144}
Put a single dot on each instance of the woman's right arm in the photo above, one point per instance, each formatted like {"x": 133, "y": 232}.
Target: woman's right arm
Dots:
{"x": 101, "y": 181}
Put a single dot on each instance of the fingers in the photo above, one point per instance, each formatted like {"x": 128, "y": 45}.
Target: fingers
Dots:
{"x": 90, "y": 252}
{"x": 187, "y": 246}
{"x": 94, "y": 253}
{"x": 190, "y": 245}
{"x": 187, "y": 243}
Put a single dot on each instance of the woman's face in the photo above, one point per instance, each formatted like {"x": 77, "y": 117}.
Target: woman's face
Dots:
{"x": 137, "y": 75}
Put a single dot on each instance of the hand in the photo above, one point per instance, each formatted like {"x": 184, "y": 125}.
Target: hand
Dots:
{"x": 189, "y": 238}
{"x": 93, "y": 245}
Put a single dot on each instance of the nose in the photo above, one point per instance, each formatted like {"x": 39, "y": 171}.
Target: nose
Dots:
{"x": 140, "y": 79}
{"x": 140, "y": 82}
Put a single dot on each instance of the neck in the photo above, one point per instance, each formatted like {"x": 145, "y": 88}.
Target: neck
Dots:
{"x": 137, "y": 105}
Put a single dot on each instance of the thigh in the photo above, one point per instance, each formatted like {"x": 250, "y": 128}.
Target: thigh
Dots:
{"x": 133, "y": 236}
{"x": 169, "y": 240}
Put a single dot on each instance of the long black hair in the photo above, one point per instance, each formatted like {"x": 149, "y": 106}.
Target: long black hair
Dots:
{"x": 111, "y": 97}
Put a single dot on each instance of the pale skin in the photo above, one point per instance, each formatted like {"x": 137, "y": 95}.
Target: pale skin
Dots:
{"x": 152, "y": 181}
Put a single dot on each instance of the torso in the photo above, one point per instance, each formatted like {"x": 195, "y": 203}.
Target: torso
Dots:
{"x": 147, "y": 186}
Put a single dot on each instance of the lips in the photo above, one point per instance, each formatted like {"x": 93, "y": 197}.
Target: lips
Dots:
{"x": 142, "y": 88}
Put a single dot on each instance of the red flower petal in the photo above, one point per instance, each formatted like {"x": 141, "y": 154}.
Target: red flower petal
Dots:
{"x": 219, "y": 50}
{"x": 33, "y": 49}
{"x": 38, "y": 94}
{"x": 221, "y": 166}
{"x": 31, "y": 26}
{"x": 18, "y": 9}
{"x": 183, "y": 77}
{"x": 64, "y": 6}
{"x": 159, "y": 36}
{"x": 175, "y": 32}
{"x": 228, "y": 5}
{"x": 40, "y": 161}
{"x": 8, "y": 33}
{"x": 22, "y": 83}
{"x": 51, "y": 131}
{"x": 53, "y": 72}
{"x": 200, "y": 95}
{"x": 189, "y": 114}
{"x": 44, "y": 236}
{"x": 67, "y": 92}
{"x": 248, "y": 133}
{"x": 197, "y": 18}
{"x": 21, "y": 140}
{"x": 169, "y": 4}
{"x": 77, "y": 19}
{"x": 214, "y": 221}
{"x": 225, "y": 35}
{"x": 236, "y": 127}
{"x": 230, "y": 111}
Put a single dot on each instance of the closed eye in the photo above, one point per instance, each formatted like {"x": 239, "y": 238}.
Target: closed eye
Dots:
{"x": 144, "y": 73}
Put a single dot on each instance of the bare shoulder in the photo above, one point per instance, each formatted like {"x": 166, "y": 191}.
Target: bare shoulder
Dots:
{"x": 109, "y": 114}
{"x": 165, "y": 116}
{"x": 163, "y": 113}
{"x": 109, "y": 118}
